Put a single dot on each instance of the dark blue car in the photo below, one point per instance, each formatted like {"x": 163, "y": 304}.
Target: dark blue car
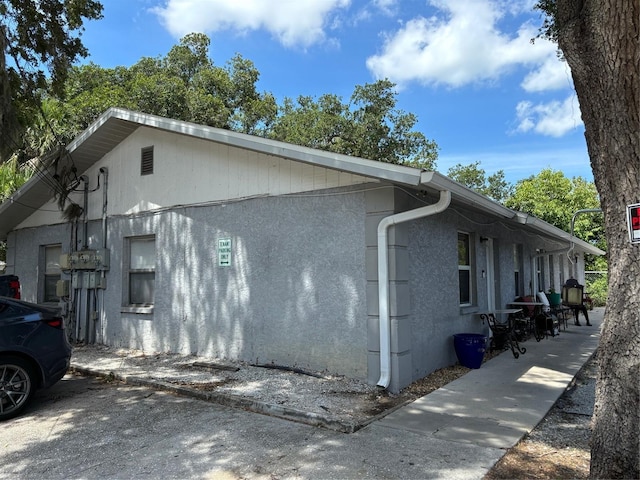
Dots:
{"x": 34, "y": 352}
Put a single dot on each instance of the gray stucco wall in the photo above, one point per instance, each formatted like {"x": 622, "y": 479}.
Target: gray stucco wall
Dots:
{"x": 424, "y": 284}
{"x": 294, "y": 294}
{"x": 25, "y": 256}
{"x": 302, "y": 288}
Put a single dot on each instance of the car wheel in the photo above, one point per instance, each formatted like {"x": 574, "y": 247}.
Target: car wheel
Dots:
{"x": 16, "y": 386}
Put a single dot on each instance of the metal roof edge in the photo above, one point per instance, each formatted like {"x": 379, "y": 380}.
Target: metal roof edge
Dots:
{"x": 523, "y": 218}
{"x": 15, "y": 199}
{"x": 91, "y": 129}
{"x": 336, "y": 161}
{"x": 441, "y": 182}
{"x": 359, "y": 166}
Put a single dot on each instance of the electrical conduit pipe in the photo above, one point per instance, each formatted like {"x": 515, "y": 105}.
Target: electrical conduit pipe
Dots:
{"x": 383, "y": 276}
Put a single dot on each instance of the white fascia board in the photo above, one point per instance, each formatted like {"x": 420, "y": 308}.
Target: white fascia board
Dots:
{"x": 91, "y": 129}
{"x": 462, "y": 193}
{"x": 440, "y": 182}
{"x": 550, "y": 230}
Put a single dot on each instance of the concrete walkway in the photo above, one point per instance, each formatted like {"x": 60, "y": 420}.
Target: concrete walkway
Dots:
{"x": 497, "y": 404}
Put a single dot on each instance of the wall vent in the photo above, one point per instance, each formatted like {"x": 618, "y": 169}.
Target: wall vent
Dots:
{"x": 146, "y": 161}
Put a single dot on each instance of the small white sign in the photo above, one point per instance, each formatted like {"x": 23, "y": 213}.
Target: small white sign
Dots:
{"x": 224, "y": 252}
{"x": 633, "y": 220}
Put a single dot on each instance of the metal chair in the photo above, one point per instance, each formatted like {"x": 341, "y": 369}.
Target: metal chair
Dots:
{"x": 528, "y": 316}
{"x": 504, "y": 334}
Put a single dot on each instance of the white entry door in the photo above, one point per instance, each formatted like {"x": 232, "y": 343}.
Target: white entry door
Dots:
{"x": 490, "y": 272}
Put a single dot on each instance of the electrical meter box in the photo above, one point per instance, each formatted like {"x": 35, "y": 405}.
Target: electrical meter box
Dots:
{"x": 62, "y": 288}
{"x": 65, "y": 263}
{"x": 86, "y": 260}
{"x": 102, "y": 259}
{"x": 82, "y": 260}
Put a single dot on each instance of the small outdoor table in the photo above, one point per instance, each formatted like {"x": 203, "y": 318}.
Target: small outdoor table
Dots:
{"x": 504, "y": 334}
{"x": 537, "y": 308}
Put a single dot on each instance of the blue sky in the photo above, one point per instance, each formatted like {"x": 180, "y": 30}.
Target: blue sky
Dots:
{"x": 466, "y": 68}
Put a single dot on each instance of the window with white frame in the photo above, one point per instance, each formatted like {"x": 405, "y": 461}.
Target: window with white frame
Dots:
{"x": 52, "y": 272}
{"x": 464, "y": 268}
{"x": 141, "y": 271}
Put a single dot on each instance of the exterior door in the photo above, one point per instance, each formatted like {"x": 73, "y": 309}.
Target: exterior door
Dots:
{"x": 490, "y": 272}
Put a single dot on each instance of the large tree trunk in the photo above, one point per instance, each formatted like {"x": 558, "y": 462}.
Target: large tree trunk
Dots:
{"x": 599, "y": 39}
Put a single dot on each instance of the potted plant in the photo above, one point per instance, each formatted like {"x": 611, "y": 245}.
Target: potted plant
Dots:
{"x": 554, "y": 298}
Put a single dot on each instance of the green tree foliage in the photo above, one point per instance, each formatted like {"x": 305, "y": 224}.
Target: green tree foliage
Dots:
{"x": 554, "y": 198}
{"x": 598, "y": 290}
{"x": 12, "y": 176}
{"x": 184, "y": 84}
{"x": 39, "y": 41}
{"x": 473, "y": 176}
{"x": 369, "y": 126}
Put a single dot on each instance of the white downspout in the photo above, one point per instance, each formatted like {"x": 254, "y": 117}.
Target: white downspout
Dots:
{"x": 383, "y": 276}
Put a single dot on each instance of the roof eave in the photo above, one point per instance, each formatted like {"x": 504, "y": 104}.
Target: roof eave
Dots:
{"x": 464, "y": 194}
{"x": 336, "y": 161}
{"x": 545, "y": 228}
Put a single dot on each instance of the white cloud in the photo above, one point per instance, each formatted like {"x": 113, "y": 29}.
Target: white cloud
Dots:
{"x": 552, "y": 119}
{"x": 463, "y": 45}
{"x": 388, "y": 7}
{"x": 552, "y": 74}
{"x": 294, "y": 23}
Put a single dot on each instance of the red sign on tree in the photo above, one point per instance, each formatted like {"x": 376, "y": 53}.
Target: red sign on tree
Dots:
{"x": 633, "y": 219}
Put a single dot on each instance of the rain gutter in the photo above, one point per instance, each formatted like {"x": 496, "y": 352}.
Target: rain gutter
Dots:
{"x": 547, "y": 229}
{"x": 383, "y": 276}
{"x": 447, "y": 189}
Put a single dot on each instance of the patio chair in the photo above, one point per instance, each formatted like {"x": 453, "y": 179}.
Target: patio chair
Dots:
{"x": 556, "y": 312}
{"x": 534, "y": 316}
{"x": 504, "y": 334}
{"x": 573, "y": 297}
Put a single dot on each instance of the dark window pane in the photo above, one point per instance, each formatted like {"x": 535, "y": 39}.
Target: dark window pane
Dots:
{"x": 465, "y": 287}
{"x": 463, "y": 249}
{"x": 141, "y": 288}
{"x": 50, "y": 288}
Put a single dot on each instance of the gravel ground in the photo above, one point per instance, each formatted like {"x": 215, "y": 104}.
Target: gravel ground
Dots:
{"x": 342, "y": 400}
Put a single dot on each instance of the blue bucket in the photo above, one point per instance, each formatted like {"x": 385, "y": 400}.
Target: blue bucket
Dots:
{"x": 470, "y": 348}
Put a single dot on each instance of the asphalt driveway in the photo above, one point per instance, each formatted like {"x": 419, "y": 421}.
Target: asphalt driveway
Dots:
{"x": 82, "y": 428}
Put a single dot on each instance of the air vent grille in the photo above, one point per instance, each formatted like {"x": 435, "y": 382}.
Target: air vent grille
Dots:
{"x": 146, "y": 161}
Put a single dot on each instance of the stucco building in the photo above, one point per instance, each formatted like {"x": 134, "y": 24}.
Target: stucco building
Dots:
{"x": 203, "y": 241}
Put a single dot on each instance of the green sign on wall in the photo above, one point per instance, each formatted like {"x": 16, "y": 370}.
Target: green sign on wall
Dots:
{"x": 224, "y": 252}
